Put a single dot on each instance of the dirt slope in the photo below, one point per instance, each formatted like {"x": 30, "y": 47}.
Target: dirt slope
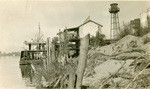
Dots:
{"x": 115, "y": 65}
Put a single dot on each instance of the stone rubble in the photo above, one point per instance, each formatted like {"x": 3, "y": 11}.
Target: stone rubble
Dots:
{"x": 114, "y": 66}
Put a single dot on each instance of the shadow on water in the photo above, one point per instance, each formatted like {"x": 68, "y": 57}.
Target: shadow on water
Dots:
{"x": 27, "y": 74}
{"x": 29, "y": 77}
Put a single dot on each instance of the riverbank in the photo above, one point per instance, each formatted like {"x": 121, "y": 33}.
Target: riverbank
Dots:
{"x": 112, "y": 66}
{"x": 116, "y": 65}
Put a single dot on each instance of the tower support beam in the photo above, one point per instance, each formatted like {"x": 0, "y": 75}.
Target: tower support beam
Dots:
{"x": 115, "y": 26}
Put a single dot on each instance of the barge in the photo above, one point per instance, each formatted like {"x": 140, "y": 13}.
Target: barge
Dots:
{"x": 35, "y": 53}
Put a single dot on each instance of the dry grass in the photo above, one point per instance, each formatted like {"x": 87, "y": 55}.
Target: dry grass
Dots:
{"x": 51, "y": 73}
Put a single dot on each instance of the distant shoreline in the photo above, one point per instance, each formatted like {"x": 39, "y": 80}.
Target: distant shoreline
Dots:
{"x": 9, "y": 56}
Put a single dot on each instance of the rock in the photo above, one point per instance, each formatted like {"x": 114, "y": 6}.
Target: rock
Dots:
{"x": 103, "y": 62}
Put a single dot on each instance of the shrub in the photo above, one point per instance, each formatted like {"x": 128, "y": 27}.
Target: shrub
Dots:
{"x": 146, "y": 40}
{"x": 144, "y": 31}
{"x": 126, "y": 30}
{"x": 97, "y": 40}
{"x": 51, "y": 74}
{"x": 129, "y": 30}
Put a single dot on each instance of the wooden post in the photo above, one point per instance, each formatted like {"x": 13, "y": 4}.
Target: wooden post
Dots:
{"x": 48, "y": 49}
{"x": 84, "y": 44}
{"x": 29, "y": 46}
{"x": 53, "y": 51}
{"x": 71, "y": 78}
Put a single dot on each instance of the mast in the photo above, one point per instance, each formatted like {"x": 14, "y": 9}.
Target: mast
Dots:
{"x": 39, "y": 35}
{"x": 39, "y": 30}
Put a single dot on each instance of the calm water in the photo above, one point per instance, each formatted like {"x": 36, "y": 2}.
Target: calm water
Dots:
{"x": 11, "y": 76}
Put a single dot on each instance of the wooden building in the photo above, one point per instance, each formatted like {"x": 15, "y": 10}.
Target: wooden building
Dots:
{"x": 69, "y": 39}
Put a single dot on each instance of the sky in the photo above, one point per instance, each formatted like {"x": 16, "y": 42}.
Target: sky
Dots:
{"x": 19, "y": 20}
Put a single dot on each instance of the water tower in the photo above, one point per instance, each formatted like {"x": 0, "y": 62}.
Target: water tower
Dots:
{"x": 115, "y": 26}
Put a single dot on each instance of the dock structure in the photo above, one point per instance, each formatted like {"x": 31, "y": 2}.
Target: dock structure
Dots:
{"x": 64, "y": 46}
{"x": 73, "y": 41}
{"x": 63, "y": 49}
{"x": 68, "y": 43}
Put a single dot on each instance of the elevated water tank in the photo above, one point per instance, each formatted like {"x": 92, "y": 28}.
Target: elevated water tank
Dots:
{"x": 115, "y": 26}
{"x": 114, "y": 8}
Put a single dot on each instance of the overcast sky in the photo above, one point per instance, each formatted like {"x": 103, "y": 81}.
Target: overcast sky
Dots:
{"x": 19, "y": 19}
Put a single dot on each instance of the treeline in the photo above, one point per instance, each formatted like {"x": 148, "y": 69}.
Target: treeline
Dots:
{"x": 9, "y": 54}
{"x": 128, "y": 29}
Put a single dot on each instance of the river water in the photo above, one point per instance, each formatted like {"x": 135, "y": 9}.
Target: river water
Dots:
{"x": 11, "y": 76}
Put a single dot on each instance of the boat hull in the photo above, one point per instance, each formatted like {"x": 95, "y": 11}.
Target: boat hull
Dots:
{"x": 28, "y": 62}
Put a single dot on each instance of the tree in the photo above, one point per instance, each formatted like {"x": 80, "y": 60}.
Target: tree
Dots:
{"x": 99, "y": 39}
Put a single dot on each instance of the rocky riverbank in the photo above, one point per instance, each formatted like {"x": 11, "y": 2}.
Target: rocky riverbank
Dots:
{"x": 117, "y": 64}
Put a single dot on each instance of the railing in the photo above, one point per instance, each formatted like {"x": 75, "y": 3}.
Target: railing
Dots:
{"x": 71, "y": 36}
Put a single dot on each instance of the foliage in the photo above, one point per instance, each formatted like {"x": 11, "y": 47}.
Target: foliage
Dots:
{"x": 98, "y": 40}
{"x": 128, "y": 30}
{"x": 51, "y": 73}
{"x": 146, "y": 40}
{"x": 55, "y": 73}
{"x": 55, "y": 40}
{"x": 144, "y": 31}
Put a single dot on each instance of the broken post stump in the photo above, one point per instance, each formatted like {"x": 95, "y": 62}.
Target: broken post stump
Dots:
{"x": 84, "y": 44}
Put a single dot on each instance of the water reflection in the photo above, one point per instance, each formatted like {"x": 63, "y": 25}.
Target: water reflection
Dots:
{"x": 27, "y": 74}
{"x": 10, "y": 74}
{"x": 33, "y": 78}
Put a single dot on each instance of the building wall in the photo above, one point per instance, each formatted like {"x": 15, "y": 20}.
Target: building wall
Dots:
{"x": 135, "y": 25}
{"x": 61, "y": 37}
{"x": 144, "y": 20}
{"x": 89, "y": 28}
{"x": 148, "y": 18}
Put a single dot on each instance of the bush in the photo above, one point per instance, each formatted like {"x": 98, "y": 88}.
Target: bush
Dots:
{"x": 146, "y": 40}
{"x": 144, "y": 31}
{"x": 51, "y": 74}
{"x": 98, "y": 40}
{"x": 126, "y": 30}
